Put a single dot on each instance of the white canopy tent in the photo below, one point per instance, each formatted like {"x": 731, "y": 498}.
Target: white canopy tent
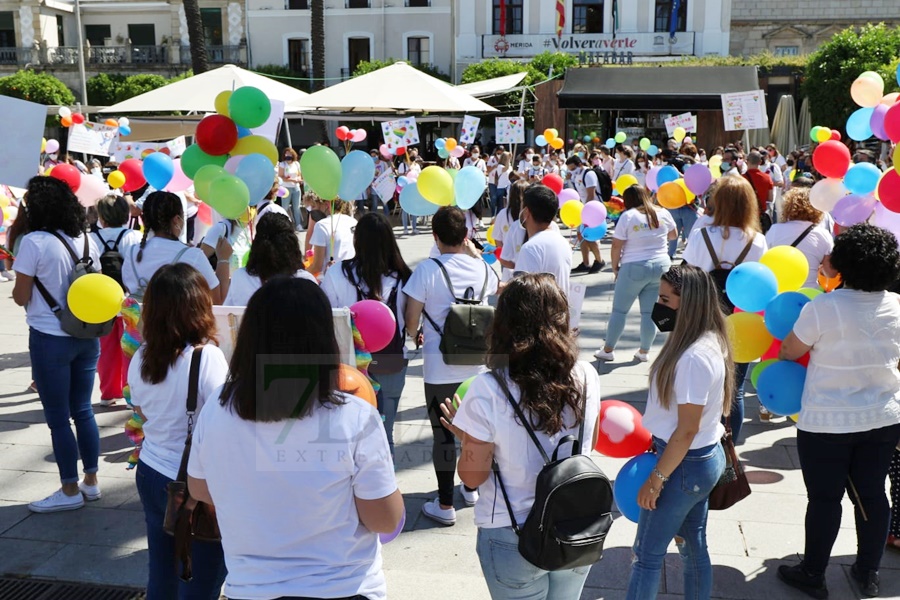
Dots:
{"x": 492, "y": 87}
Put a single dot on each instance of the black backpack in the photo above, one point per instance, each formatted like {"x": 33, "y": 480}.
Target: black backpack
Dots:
{"x": 111, "y": 260}
{"x": 720, "y": 272}
{"x": 604, "y": 181}
{"x": 390, "y": 359}
{"x": 572, "y": 510}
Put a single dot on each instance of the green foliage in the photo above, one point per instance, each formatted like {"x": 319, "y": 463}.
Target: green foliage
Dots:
{"x": 286, "y": 75}
{"x": 367, "y": 66}
{"x": 832, "y": 69}
{"x": 108, "y": 89}
{"x": 766, "y": 61}
{"x": 542, "y": 64}
{"x": 491, "y": 68}
{"x": 41, "y": 88}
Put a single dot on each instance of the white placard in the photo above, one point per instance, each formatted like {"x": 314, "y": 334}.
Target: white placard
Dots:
{"x": 469, "y": 130}
{"x": 401, "y": 133}
{"x": 576, "y": 300}
{"x": 20, "y": 129}
{"x": 510, "y": 130}
{"x": 122, "y": 150}
{"x": 685, "y": 120}
{"x": 92, "y": 138}
{"x": 745, "y": 110}
{"x": 385, "y": 185}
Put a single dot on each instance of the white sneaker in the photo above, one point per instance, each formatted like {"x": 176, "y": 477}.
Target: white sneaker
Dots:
{"x": 107, "y": 403}
{"x": 444, "y": 516}
{"x": 470, "y": 498}
{"x": 91, "y": 492}
{"x": 3, "y": 278}
{"x": 604, "y": 355}
{"x": 56, "y": 502}
{"x": 642, "y": 356}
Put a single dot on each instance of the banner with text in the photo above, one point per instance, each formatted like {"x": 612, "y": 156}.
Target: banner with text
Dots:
{"x": 685, "y": 120}
{"x": 639, "y": 44}
{"x": 92, "y": 138}
{"x": 124, "y": 150}
{"x": 745, "y": 110}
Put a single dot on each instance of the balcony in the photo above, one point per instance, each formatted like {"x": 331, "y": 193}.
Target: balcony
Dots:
{"x": 17, "y": 56}
{"x": 217, "y": 55}
{"x": 127, "y": 56}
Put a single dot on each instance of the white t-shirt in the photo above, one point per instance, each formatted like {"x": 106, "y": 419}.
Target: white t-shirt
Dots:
{"x": 701, "y": 222}
{"x": 267, "y": 207}
{"x": 641, "y": 242}
{"x": 308, "y": 539}
{"x": 852, "y": 382}
{"x": 291, "y": 169}
{"x": 502, "y": 224}
{"x": 111, "y": 234}
{"x": 486, "y": 415}
{"x": 478, "y": 164}
{"x": 43, "y": 256}
{"x": 584, "y": 180}
{"x": 164, "y": 404}
{"x": 699, "y": 380}
{"x": 625, "y": 167}
{"x": 817, "y": 244}
{"x": 158, "y": 252}
{"x": 536, "y": 172}
{"x": 341, "y": 227}
{"x": 243, "y": 286}
{"x": 547, "y": 252}
{"x": 696, "y": 253}
{"x": 428, "y": 286}
{"x": 238, "y": 236}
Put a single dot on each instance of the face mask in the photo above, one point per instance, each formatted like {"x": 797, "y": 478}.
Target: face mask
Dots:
{"x": 528, "y": 156}
{"x": 53, "y": 156}
{"x": 725, "y": 166}
{"x": 664, "y": 317}
{"x": 580, "y": 154}
{"x": 289, "y": 158}
{"x": 474, "y": 157}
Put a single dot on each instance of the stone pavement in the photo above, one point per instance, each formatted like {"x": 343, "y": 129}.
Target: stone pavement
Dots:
{"x": 105, "y": 542}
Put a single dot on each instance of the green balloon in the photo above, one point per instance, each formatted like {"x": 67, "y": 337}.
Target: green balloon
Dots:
{"x": 193, "y": 159}
{"x": 249, "y": 107}
{"x": 813, "y": 133}
{"x": 620, "y": 137}
{"x": 645, "y": 143}
{"x": 229, "y": 196}
{"x": 462, "y": 389}
{"x": 758, "y": 369}
{"x": 204, "y": 178}
{"x": 810, "y": 292}
{"x": 453, "y": 173}
{"x": 322, "y": 172}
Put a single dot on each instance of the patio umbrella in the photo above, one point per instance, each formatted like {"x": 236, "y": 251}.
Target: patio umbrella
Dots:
{"x": 784, "y": 127}
{"x": 804, "y": 123}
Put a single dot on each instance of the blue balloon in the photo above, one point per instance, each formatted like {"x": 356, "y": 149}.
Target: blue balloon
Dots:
{"x": 124, "y": 130}
{"x": 898, "y": 74}
{"x": 653, "y": 150}
{"x": 862, "y": 178}
{"x": 440, "y": 143}
{"x": 402, "y": 180}
{"x": 858, "y": 125}
{"x": 489, "y": 257}
{"x": 488, "y": 248}
{"x": 783, "y": 311}
{"x": 357, "y": 173}
{"x": 243, "y": 132}
{"x": 594, "y": 234}
{"x": 412, "y": 202}
{"x": 751, "y": 286}
{"x": 158, "y": 170}
{"x": 666, "y": 174}
{"x": 540, "y": 141}
{"x": 256, "y": 172}
{"x": 468, "y": 187}
{"x": 586, "y": 138}
{"x": 780, "y": 387}
{"x": 610, "y": 143}
{"x": 443, "y": 153}
{"x": 629, "y": 481}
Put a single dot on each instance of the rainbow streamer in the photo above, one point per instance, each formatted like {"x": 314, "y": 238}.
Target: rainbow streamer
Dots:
{"x": 131, "y": 340}
{"x": 363, "y": 356}
{"x": 614, "y": 209}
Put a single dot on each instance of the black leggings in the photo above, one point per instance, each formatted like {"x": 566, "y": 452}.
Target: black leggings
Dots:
{"x": 894, "y": 474}
{"x": 443, "y": 450}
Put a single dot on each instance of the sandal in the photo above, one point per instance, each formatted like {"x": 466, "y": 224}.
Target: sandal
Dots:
{"x": 893, "y": 543}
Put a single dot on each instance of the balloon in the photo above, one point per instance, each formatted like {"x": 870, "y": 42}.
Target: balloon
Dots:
{"x": 620, "y": 433}
{"x": 549, "y": 134}
{"x": 134, "y": 174}
{"x": 751, "y": 286}
{"x": 203, "y": 181}
{"x": 890, "y": 99}
{"x": 124, "y": 122}
{"x": 78, "y": 118}
{"x": 652, "y": 150}
{"x": 457, "y": 152}
{"x": 823, "y": 134}
{"x": 862, "y": 178}
{"x": 689, "y": 196}
{"x": 593, "y": 214}
{"x": 876, "y": 122}
{"x": 357, "y": 173}
{"x": 671, "y": 195}
{"x": 116, "y": 179}
{"x": 462, "y": 389}
{"x": 889, "y": 190}
{"x": 594, "y": 234}
{"x": 357, "y": 135}
{"x": 124, "y": 130}
{"x": 749, "y": 336}
{"x": 450, "y": 144}
{"x": 376, "y": 323}
{"x": 891, "y": 123}
{"x": 351, "y": 381}
{"x": 95, "y": 298}
{"x": 64, "y": 111}
{"x": 436, "y": 185}
{"x": 610, "y": 142}
{"x": 257, "y": 144}
{"x": 488, "y": 255}
{"x": 179, "y": 181}
{"x": 666, "y": 174}
{"x": 831, "y": 159}
{"x": 789, "y": 265}
{"x": 158, "y": 169}
{"x": 194, "y": 158}
{"x": 440, "y": 143}
{"x": 586, "y": 138}
{"x": 851, "y": 210}
{"x": 386, "y": 538}
{"x": 554, "y": 182}
{"x": 249, "y": 107}
{"x": 52, "y": 147}
{"x": 620, "y": 137}
{"x": 342, "y": 133}
{"x": 229, "y": 196}
{"x": 780, "y": 387}
{"x": 66, "y": 121}
{"x": 650, "y": 180}
{"x": 835, "y": 135}
{"x": 566, "y": 195}
{"x": 645, "y": 144}
{"x": 540, "y": 141}
{"x": 867, "y": 91}
{"x": 679, "y": 134}
{"x": 698, "y": 178}
{"x": 221, "y": 102}
{"x": 322, "y": 171}
{"x": 68, "y": 174}
{"x": 570, "y": 213}
{"x": 204, "y": 213}
{"x": 216, "y": 135}
{"x": 489, "y": 234}
{"x": 624, "y": 182}
{"x": 411, "y": 201}
{"x": 468, "y": 187}
{"x": 824, "y": 194}
{"x": 557, "y": 143}
{"x": 858, "y": 125}
{"x": 443, "y": 153}
{"x": 810, "y": 292}
{"x": 782, "y": 312}
{"x": 91, "y": 189}
{"x": 255, "y": 171}
{"x": 632, "y": 476}
{"x": 232, "y": 163}
{"x": 759, "y": 368}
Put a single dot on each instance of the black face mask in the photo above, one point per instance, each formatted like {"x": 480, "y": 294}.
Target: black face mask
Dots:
{"x": 664, "y": 317}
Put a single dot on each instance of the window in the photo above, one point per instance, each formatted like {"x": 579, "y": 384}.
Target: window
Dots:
{"x": 97, "y": 34}
{"x": 142, "y": 34}
{"x": 60, "y": 31}
{"x": 514, "y": 14}
{"x": 587, "y": 16}
{"x": 787, "y": 50}
{"x": 357, "y": 3}
{"x": 664, "y": 14}
{"x": 357, "y": 51}
{"x": 418, "y": 51}
{"x": 212, "y": 25}
{"x": 298, "y": 55}
{"x": 418, "y": 3}
{"x": 7, "y": 30}
{"x": 297, "y": 4}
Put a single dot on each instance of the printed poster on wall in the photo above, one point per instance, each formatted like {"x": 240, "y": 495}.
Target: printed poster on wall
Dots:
{"x": 510, "y": 130}
{"x": 745, "y": 110}
{"x": 92, "y": 138}
{"x": 686, "y": 120}
{"x": 401, "y": 133}
{"x": 122, "y": 150}
{"x": 469, "y": 130}
{"x": 21, "y": 129}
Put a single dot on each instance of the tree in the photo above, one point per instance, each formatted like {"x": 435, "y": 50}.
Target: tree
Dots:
{"x": 108, "y": 89}
{"x": 833, "y": 68}
{"x": 368, "y": 66}
{"x": 317, "y": 22}
{"x": 41, "y": 88}
{"x": 196, "y": 36}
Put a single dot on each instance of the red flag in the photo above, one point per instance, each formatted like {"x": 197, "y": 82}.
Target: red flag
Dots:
{"x": 560, "y": 17}
{"x": 502, "y": 17}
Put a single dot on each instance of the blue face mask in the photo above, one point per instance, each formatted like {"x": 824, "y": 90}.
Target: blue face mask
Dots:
{"x": 579, "y": 154}
{"x": 725, "y": 165}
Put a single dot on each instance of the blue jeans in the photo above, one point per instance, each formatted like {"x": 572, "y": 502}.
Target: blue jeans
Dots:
{"x": 405, "y": 219}
{"x": 496, "y": 196}
{"x": 292, "y": 206}
{"x": 389, "y": 399}
{"x": 681, "y": 510}
{"x": 511, "y": 577}
{"x": 736, "y": 419}
{"x": 684, "y": 217}
{"x": 636, "y": 281}
{"x": 63, "y": 369}
{"x": 208, "y": 559}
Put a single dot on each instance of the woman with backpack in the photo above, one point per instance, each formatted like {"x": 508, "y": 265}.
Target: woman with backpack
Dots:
{"x": 802, "y": 227}
{"x": 237, "y": 233}
{"x": 63, "y": 366}
{"x": 690, "y": 390}
{"x": 534, "y": 365}
{"x": 377, "y": 272}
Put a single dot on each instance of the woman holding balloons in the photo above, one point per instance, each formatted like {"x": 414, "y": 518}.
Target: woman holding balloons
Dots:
{"x": 801, "y": 227}
{"x": 849, "y": 421}
{"x": 690, "y": 390}
{"x": 332, "y": 237}
{"x": 289, "y": 172}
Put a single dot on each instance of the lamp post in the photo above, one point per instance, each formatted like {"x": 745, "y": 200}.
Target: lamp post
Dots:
{"x": 84, "y": 97}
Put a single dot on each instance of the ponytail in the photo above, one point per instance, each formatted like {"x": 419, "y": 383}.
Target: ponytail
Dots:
{"x": 160, "y": 208}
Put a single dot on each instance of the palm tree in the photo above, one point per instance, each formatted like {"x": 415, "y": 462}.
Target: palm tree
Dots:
{"x": 317, "y": 27}
{"x": 196, "y": 36}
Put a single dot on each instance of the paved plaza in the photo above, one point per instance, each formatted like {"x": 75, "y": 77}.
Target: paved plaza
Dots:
{"x": 105, "y": 542}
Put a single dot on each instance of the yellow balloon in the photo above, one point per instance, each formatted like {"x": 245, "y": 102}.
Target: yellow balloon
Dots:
{"x": 256, "y": 144}
{"x": 570, "y": 213}
{"x": 890, "y": 99}
{"x": 823, "y": 135}
{"x": 789, "y": 265}
{"x": 556, "y": 143}
{"x": 4, "y": 201}
{"x": 679, "y": 134}
{"x": 795, "y": 418}
{"x": 550, "y": 134}
{"x": 450, "y": 144}
{"x": 749, "y": 337}
{"x": 116, "y": 179}
{"x": 43, "y": 144}
{"x": 95, "y": 298}
{"x": 489, "y": 234}
{"x": 671, "y": 195}
{"x": 688, "y": 194}
{"x": 624, "y": 182}
{"x": 896, "y": 160}
{"x": 436, "y": 185}
{"x": 716, "y": 172}
{"x": 221, "y": 102}
{"x": 715, "y": 161}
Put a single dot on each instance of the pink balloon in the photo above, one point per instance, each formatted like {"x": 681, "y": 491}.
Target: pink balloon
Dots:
{"x": 179, "y": 181}
{"x": 876, "y": 121}
{"x": 566, "y": 195}
{"x": 91, "y": 189}
{"x": 375, "y": 322}
{"x": 385, "y": 151}
{"x": 650, "y": 180}
{"x": 51, "y": 147}
{"x": 698, "y": 178}
{"x": 853, "y": 209}
{"x": 886, "y": 219}
{"x": 232, "y": 163}
{"x": 412, "y": 176}
{"x": 358, "y": 135}
{"x": 390, "y": 537}
{"x": 593, "y": 214}
{"x": 458, "y": 151}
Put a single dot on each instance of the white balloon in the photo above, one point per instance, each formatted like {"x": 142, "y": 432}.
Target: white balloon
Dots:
{"x": 826, "y": 193}
{"x": 92, "y": 188}
{"x": 64, "y": 112}
{"x": 124, "y": 122}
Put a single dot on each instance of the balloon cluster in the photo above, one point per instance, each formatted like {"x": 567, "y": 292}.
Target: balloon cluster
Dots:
{"x": 648, "y": 147}
{"x": 67, "y": 118}
{"x": 436, "y": 187}
{"x": 345, "y": 134}
{"x": 551, "y": 138}
{"x": 621, "y": 434}
{"x": 673, "y": 190}
{"x": 589, "y": 217}
{"x": 87, "y": 188}
{"x": 447, "y": 147}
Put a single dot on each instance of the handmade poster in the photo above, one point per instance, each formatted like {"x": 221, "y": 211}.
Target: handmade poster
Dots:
{"x": 122, "y": 150}
{"x": 21, "y": 130}
{"x": 469, "y": 130}
{"x": 510, "y": 130}
{"x": 685, "y": 120}
{"x": 745, "y": 110}
{"x": 576, "y": 300}
{"x": 385, "y": 185}
{"x": 92, "y": 138}
{"x": 401, "y": 133}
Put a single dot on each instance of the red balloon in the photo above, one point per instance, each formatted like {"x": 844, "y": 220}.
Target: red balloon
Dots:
{"x": 554, "y": 182}
{"x": 498, "y": 251}
{"x": 216, "y": 135}
{"x": 134, "y": 174}
{"x": 69, "y": 174}
{"x": 831, "y": 159}
{"x": 401, "y": 150}
{"x": 620, "y": 432}
{"x": 78, "y": 118}
{"x": 342, "y": 133}
{"x": 892, "y": 123}
{"x": 836, "y": 135}
{"x": 775, "y": 348}
{"x": 889, "y": 190}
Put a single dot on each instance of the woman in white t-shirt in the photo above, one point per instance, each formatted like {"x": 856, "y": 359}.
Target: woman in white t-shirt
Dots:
{"x": 62, "y": 366}
{"x": 498, "y": 182}
{"x": 849, "y": 421}
{"x": 292, "y": 180}
{"x": 176, "y": 318}
{"x": 332, "y": 238}
{"x": 505, "y": 229}
{"x": 257, "y": 453}
{"x": 236, "y": 233}
{"x": 639, "y": 258}
{"x": 690, "y": 389}
{"x": 623, "y": 165}
{"x": 531, "y": 324}
{"x": 475, "y": 160}
{"x": 801, "y": 227}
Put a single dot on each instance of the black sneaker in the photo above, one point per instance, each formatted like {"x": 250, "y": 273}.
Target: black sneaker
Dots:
{"x": 798, "y": 577}
{"x": 582, "y": 268}
{"x": 867, "y": 581}
{"x": 595, "y": 268}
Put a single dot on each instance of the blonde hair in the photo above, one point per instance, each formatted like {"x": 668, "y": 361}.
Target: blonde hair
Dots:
{"x": 736, "y": 206}
{"x": 797, "y": 207}
{"x": 504, "y": 159}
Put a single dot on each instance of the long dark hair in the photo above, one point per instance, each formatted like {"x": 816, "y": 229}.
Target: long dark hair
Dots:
{"x": 52, "y": 206}
{"x": 516, "y": 193}
{"x": 377, "y": 254}
{"x": 275, "y": 249}
{"x": 638, "y": 197}
{"x": 531, "y": 336}
{"x": 301, "y": 352}
{"x": 177, "y": 312}
{"x": 160, "y": 210}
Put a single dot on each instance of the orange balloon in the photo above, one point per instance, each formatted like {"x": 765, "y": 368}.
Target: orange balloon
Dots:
{"x": 66, "y": 121}
{"x": 111, "y": 122}
{"x": 671, "y": 195}
{"x": 829, "y": 284}
{"x": 352, "y": 381}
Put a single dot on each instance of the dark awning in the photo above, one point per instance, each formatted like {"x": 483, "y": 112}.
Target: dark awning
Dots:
{"x": 660, "y": 89}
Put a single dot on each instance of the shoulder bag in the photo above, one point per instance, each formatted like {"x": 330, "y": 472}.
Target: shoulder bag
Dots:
{"x": 732, "y": 486}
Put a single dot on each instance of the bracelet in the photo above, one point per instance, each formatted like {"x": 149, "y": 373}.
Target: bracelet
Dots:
{"x": 661, "y": 477}
{"x": 224, "y": 262}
